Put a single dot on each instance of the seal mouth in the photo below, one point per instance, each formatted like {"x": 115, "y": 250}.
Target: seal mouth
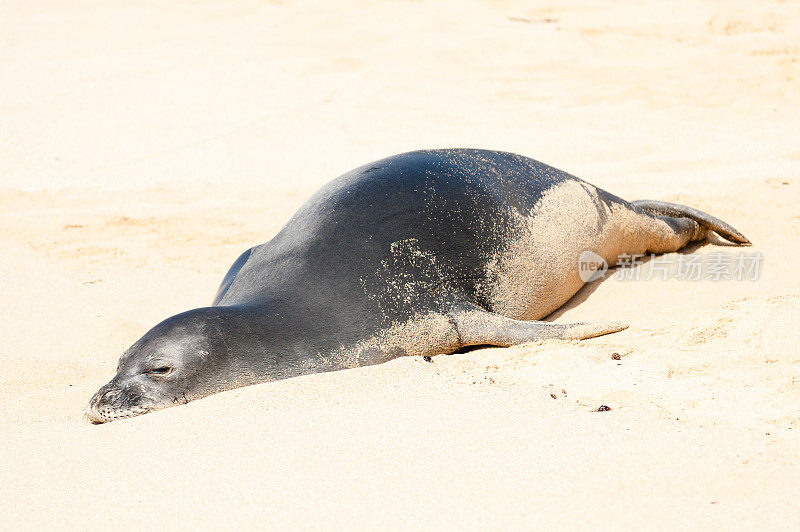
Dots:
{"x": 100, "y": 416}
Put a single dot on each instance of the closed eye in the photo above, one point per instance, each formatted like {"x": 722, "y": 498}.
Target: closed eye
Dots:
{"x": 160, "y": 371}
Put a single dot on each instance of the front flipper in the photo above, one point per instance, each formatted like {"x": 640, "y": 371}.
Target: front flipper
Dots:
{"x": 479, "y": 327}
{"x": 231, "y": 275}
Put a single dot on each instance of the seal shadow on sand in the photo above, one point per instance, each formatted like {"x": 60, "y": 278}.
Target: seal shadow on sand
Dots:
{"x": 589, "y": 288}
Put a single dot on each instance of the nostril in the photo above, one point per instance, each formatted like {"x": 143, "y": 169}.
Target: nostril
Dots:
{"x": 110, "y": 395}
{"x": 104, "y": 396}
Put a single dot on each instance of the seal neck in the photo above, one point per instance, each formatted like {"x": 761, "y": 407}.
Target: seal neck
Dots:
{"x": 263, "y": 343}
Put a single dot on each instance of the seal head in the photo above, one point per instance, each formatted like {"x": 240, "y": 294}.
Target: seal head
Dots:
{"x": 181, "y": 359}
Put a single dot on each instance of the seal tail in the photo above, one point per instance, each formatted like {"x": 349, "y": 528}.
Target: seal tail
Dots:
{"x": 676, "y": 210}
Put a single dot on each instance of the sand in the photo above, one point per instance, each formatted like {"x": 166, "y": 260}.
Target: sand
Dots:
{"x": 145, "y": 145}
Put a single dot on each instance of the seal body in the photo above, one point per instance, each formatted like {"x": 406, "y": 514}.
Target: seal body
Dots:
{"x": 418, "y": 254}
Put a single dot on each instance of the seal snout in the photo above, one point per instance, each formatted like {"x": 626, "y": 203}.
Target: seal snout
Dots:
{"x": 114, "y": 402}
{"x": 98, "y": 404}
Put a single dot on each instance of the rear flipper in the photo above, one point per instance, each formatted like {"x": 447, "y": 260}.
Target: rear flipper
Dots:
{"x": 675, "y": 210}
{"x": 480, "y": 327}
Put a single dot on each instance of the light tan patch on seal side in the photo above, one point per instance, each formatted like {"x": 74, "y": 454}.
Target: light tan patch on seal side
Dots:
{"x": 538, "y": 272}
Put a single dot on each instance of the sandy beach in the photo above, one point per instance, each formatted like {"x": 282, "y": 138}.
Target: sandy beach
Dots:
{"x": 146, "y": 145}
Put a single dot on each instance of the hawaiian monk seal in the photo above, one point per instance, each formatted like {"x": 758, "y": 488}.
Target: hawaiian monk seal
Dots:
{"x": 418, "y": 254}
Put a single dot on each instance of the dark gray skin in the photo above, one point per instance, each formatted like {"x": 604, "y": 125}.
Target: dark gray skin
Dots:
{"x": 422, "y": 253}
